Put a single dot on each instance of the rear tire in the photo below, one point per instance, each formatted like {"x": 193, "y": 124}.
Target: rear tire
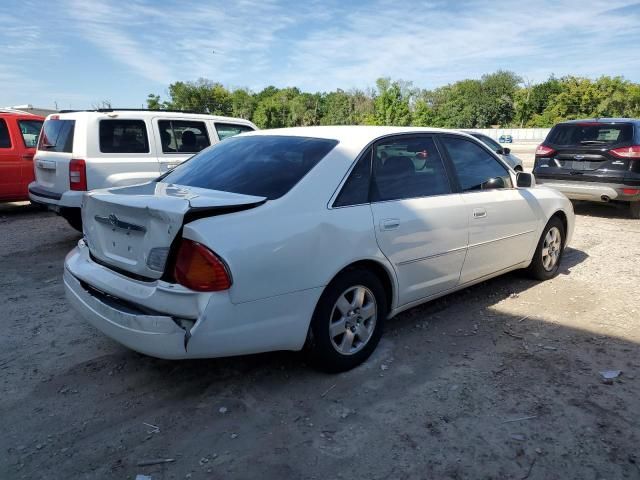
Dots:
{"x": 548, "y": 255}
{"x": 73, "y": 217}
{"x": 348, "y": 321}
{"x": 634, "y": 210}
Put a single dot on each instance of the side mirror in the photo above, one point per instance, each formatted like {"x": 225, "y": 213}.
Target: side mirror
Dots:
{"x": 525, "y": 180}
{"x": 506, "y": 150}
{"x": 496, "y": 182}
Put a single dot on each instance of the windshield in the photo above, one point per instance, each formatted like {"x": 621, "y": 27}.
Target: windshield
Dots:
{"x": 590, "y": 134}
{"x": 262, "y": 165}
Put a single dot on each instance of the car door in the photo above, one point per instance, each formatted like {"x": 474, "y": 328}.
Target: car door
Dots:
{"x": 421, "y": 226}
{"x": 28, "y": 130}
{"x": 10, "y": 162}
{"x": 502, "y": 219}
{"x": 178, "y": 140}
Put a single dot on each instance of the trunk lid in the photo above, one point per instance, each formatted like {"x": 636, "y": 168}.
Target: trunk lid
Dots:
{"x": 582, "y": 151}
{"x": 132, "y": 228}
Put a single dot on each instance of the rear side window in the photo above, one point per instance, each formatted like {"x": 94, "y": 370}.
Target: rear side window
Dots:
{"x": 590, "y": 134}
{"x": 355, "y": 190}
{"x": 57, "y": 135}
{"x": 5, "y": 139}
{"x": 123, "y": 136}
{"x": 30, "y": 129}
{"x": 407, "y": 167}
{"x": 180, "y": 136}
{"x": 265, "y": 165}
{"x": 230, "y": 129}
{"x": 476, "y": 168}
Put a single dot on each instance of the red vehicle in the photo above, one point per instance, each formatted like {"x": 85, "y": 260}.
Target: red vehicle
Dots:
{"x": 18, "y": 139}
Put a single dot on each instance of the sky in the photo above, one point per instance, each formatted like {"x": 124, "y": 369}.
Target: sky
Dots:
{"x": 79, "y": 53}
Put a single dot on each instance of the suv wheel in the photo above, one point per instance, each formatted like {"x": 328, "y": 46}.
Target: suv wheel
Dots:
{"x": 634, "y": 209}
{"x": 348, "y": 321}
{"x": 548, "y": 254}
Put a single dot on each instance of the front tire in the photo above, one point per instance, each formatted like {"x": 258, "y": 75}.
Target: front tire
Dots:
{"x": 634, "y": 210}
{"x": 548, "y": 255}
{"x": 348, "y": 321}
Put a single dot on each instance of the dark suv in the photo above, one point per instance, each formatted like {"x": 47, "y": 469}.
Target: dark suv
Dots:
{"x": 596, "y": 160}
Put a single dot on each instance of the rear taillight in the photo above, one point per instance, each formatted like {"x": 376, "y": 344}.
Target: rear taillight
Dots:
{"x": 198, "y": 268}
{"x": 544, "y": 151}
{"x": 77, "y": 174}
{"x": 631, "y": 191}
{"x": 626, "y": 152}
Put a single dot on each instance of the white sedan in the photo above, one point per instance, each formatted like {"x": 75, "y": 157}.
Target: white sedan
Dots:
{"x": 306, "y": 238}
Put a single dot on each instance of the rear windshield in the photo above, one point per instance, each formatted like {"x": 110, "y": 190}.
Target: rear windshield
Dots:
{"x": 57, "y": 136}
{"x": 590, "y": 134}
{"x": 265, "y": 166}
{"x": 30, "y": 129}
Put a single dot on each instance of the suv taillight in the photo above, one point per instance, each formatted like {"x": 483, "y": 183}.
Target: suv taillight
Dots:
{"x": 626, "y": 152}
{"x": 198, "y": 268}
{"x": 77, "y": 174}
{"x": 544, "y": 151}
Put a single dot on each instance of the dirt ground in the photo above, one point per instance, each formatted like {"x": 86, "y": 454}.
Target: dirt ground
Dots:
{"x": 499, "y": 381}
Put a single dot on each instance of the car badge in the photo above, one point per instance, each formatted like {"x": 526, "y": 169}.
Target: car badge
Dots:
{"x": 579, "y": 157}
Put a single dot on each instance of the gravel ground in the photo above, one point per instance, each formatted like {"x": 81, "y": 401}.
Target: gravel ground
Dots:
{"x": 498, "y": 381}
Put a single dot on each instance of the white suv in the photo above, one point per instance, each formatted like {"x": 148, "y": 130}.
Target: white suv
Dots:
{"x": 85, "y": 150}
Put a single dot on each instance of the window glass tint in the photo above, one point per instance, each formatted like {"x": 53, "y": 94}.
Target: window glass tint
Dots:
{"x": 30, "y": 129}
{"x": 5, "y": 139}
{"x": 489, "y": 142}
{"x": 355, "y": 190}
{"x": 229, "y": 129}
{"x": 265, "y": 165}
{"x": 123, "y": 136}
{"x": 180, "y": 136}
{"x": 57, "y": 136}
{"x": 590, "y": 134}
{"x": 407, "y": 168}
{"x": 475, "y": 166}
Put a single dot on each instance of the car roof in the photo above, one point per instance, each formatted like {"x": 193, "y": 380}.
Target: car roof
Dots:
{"x": 351, "y": 133}
{"x": 115, "y": 113}
{"x": 20, "y": 115}
{"x": 601, "y": 120}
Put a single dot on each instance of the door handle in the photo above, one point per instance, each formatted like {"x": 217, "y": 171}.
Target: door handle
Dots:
{"x": 389, "y": 223}
{"x": 27, "y": 157}
{"x": 479, "y": 213}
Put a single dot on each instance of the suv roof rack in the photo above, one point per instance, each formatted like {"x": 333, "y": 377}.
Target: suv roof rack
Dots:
{"x": 102, "y": 110}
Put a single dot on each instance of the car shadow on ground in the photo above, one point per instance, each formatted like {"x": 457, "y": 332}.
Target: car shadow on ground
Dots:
{"x": 602, "y": 210}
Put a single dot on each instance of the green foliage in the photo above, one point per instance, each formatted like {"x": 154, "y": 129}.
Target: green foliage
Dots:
{"x": 496, "y": 99}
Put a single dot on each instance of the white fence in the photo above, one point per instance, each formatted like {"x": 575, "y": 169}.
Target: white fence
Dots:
{"x": 518, "y": 134}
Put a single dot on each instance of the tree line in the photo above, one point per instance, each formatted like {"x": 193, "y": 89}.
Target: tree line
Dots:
{"x": 497, "y": 99}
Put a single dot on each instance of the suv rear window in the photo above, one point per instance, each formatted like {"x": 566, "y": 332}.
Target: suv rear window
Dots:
{"x": 57, "y": 136}
{"x": 590, "y": 134}
{"x": 123, "y": 136}
{"x": 30, "y": 129}
{"x": 266, "y": 166}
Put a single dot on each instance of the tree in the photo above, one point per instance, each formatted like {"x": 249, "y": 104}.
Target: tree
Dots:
{"x": 391, "y": 103}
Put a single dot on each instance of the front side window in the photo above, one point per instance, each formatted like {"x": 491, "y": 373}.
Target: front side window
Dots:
{"x": 262, "y": 165}
{"x": 489, "y": 142}
{"x": 183, "y": 136}
{"x": 226, "y": 130}
{"x": 30, "y": 129}
{"x": 355, "y": 190}
{"x": 57, "y": 135}
{"x": 123, "y": 136}
{"x": 476, "y": 168}
{"x": 407, "y": 167}
{"x": 5, "y": 139}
